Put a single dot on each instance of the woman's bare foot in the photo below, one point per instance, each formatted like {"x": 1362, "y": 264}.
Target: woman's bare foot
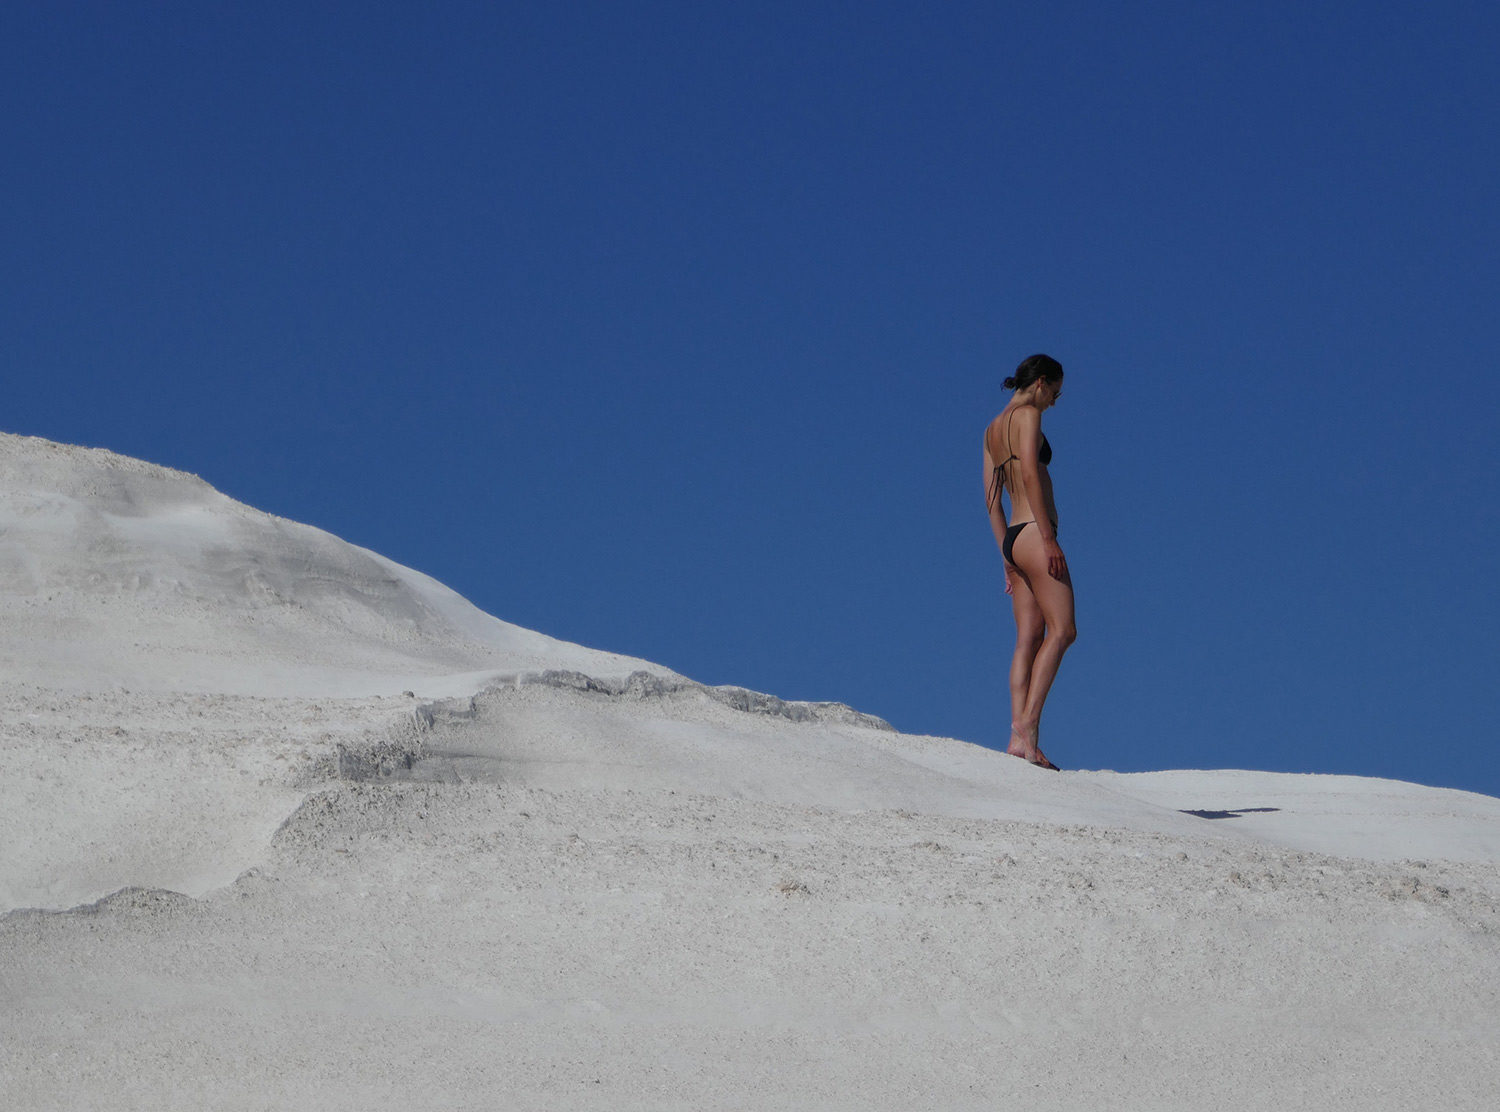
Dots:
{"x": 1023, "y": 744}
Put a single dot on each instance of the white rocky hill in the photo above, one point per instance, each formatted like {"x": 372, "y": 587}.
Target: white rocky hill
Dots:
{"x": 286, "y": 825}
{"x": 119, "y": 573}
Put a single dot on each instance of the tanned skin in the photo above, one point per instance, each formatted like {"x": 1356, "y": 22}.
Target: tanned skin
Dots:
{"x": 1038, "y": 583}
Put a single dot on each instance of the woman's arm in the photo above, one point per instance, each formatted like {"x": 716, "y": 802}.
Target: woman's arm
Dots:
{"x": 992, "y": 496}
{"x": 992, "y": 504}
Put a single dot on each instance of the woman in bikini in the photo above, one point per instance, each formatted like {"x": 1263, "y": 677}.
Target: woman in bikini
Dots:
{"x": 1016, "y": 455}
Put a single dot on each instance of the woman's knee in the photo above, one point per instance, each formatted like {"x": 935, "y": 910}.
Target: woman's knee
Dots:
{"x": 1066, "y": 633}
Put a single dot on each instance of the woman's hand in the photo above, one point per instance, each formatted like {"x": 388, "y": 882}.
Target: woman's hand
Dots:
{"x": 1057, "y": 563}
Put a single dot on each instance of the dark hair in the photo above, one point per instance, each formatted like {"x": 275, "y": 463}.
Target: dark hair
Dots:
{"x": 1032, "y": 368}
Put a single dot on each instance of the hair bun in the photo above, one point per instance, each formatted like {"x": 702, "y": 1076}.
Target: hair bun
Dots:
{"x": 1032, "y": 369}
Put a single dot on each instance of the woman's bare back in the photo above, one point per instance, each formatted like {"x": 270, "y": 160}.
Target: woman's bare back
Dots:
{"x": 1004, "y": 465}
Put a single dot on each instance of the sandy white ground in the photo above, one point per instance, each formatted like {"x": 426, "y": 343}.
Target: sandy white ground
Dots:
{"x": 537, "y": 882}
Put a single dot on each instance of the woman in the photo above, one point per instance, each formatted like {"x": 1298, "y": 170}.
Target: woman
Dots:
{"x": 1016, "y": 455}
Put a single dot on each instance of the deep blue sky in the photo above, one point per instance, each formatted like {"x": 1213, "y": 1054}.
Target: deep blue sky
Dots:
{"x": 671, "y": 328}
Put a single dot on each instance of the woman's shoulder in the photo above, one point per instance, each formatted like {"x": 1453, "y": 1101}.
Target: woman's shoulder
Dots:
{"x": 1024, "y": 415}
{"x": 1013, "y": 412}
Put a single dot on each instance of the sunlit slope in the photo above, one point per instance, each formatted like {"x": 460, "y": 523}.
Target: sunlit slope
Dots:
{"x": 180, "y": 670}
{"x": 120, "y": 573}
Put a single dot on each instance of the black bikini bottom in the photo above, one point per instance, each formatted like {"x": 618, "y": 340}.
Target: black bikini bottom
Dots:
{"x": 1010, "y": 540}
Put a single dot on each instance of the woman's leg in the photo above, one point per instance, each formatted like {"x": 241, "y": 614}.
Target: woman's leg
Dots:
{"x": 1055, "y": 601}
{"x": 1029, "y": 633}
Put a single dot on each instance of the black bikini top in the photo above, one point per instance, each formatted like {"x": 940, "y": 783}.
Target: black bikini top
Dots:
{"x": 1043, "y": 454}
